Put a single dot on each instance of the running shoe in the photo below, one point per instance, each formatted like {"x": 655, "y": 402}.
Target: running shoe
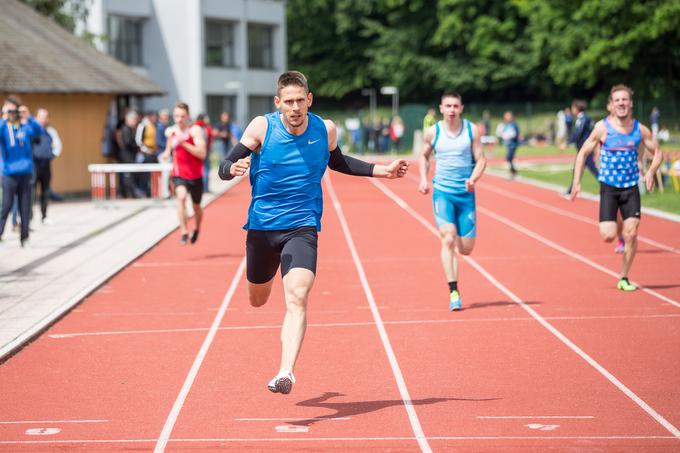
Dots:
{"x": 184, "y": 240}
{"x": 282, "y": 382}
{"x": 625, "y": 285}
{"x": 454, "y": 303}
{"x": 194, "y": 236}
{"x": 620, "y": 246}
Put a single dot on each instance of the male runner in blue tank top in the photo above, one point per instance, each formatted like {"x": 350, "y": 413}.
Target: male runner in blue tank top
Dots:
{"x": 460, "y": 163}
{"x": 288, "y": 152}
{"x": 621, "y": 136}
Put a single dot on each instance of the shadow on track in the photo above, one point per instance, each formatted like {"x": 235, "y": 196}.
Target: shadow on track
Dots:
{"x": 498, "y": 303}
{"x": 350, "y": 408}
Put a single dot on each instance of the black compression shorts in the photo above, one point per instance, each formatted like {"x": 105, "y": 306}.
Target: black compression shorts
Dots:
{"x": 194, "y": 187}
{"x": 265, "y": 250}
{"x": 613, "y": 199}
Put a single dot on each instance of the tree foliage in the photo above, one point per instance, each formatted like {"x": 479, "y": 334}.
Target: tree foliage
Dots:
{"x": 488, "y": 49}
{"x": 590, "y": 44}
{"x": 66, "y": 13}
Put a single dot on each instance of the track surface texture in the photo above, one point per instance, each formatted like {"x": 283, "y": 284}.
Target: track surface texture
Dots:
{"x": 546, "y": 354}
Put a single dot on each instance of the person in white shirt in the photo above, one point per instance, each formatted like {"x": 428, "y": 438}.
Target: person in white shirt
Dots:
{"x": 45, "y": 148}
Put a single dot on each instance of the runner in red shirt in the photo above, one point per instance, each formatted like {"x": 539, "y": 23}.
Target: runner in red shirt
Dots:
{"x": 187, "y": 144}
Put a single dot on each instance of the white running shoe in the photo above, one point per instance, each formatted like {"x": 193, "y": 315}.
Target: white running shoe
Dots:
{"x": 282, "y": 382}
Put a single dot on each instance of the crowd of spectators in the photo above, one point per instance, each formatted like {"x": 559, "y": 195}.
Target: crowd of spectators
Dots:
{"x": 138, "y": 139}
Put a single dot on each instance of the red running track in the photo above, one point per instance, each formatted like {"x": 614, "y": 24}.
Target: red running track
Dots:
{"x": 168, "y": 355}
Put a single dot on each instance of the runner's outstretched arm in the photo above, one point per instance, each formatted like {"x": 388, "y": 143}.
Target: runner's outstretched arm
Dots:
{"x": 357, "y": 167}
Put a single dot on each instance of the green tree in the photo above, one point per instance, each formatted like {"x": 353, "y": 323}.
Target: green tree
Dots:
{"x": 327, "y": 41}
{"x": 591, "y": 44}
{"x": 479, "y": 47}
{"x": 66, "y": 13}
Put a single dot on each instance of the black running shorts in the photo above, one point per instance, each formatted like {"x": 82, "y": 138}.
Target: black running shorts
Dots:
{"x": 613, "y": 199}
{"x": 194, "y": 187}
{"x": 265, "y": 250}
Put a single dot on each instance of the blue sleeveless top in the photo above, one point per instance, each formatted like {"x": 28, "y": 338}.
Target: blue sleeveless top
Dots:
{"x": 619, "y": 157}
{"x": 454, "y": 156}
{"x": 285, "y": 176}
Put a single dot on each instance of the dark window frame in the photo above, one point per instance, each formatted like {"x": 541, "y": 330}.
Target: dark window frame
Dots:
{"x": 129, "y": 47}
{"x": 261, "y": 51}
{"x": 219, "y": 45}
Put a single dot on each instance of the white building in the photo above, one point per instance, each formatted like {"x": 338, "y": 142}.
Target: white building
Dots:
{"x": 215, "y": 55}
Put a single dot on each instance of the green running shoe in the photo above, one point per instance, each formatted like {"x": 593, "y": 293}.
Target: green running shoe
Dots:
{"x": 454, "y": 303}
{"x": 625, "y": 285}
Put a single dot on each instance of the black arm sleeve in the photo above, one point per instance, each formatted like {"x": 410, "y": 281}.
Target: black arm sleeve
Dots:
{"x": 237, "y": 152}
{"x": 349, "y": 165}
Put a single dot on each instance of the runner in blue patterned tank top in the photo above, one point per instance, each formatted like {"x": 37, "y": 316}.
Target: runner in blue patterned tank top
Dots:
{"x": 287, "y": 152}
{"x": 460, "y": 159}
{"x": 621, "y": 137}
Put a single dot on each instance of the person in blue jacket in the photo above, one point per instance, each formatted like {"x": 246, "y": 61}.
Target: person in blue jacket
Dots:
{"x": 17, "y": 130}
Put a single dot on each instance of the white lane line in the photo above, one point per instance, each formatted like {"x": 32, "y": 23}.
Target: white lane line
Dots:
{"x": 292, "y": 419}
{"x": 198, "y": 361}
{"x": 585, "y": 195}
{"x": 569, "y": 214}
{"x": 30, "y": 422}
{"x": 366, "y": 323}
{"x": 592, "y": 362}
{"x": 401, "y": 384}
{"x": 533, "y": 416}
{"x": 330, "y": 439}
{"x": 566, "y": 251}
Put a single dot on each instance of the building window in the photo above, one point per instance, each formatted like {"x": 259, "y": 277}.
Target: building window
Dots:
{"x": 219, "y": 43}
{"x": 260, "y": 105}
{"x": 218, "y": 104}
{"x": 125, "y": 39}
{"x": 260, "y": 46}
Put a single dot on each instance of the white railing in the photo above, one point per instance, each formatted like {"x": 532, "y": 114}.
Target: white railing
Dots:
{"x": 99, "y": 173}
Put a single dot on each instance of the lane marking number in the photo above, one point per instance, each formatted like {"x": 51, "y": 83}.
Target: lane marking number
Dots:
{"x": 42, "y": 431}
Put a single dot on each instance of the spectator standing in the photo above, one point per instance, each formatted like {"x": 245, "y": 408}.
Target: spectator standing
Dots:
{"x": 385, "y": 136}
{"x": 45, "y": 148}
{"x": 430, "y": 119}
{"x": 486, "y": 123}
{"x": 374, "y": 136}
{"x": 365, "y": 135}
{"x": 396, "y": 132}
{"x": 161, "y": 140}
{"x": 561, "y": 130}
{"x": 128, "y": 153}
{"x": 145, "y": 137}
{"x": 509, "y": 133}
{"x": 654, "y": 119}
{"x": 161, "y": 125}
{"x": 223, "y": 134}
{"x": 236, "y": 131}
{"x": 569, "y": 119}
{"x": 582, "y": 129}
{"x": 16, "y": 133}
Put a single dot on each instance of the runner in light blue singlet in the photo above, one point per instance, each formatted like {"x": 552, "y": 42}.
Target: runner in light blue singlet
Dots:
{"x": 452, "y": 203}
{"x": 457, "y": 148}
